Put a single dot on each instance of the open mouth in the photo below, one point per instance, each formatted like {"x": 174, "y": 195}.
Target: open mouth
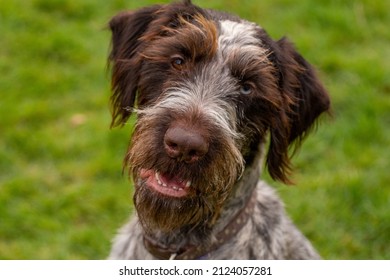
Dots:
{"x": 165, "y": 184}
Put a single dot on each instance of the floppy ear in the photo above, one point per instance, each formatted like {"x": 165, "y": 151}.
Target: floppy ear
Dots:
{"x": 127, "y": 28}
{"x": 305, "y": 99}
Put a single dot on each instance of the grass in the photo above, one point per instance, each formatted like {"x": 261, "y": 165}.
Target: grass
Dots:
{"x": 62, "y": 192}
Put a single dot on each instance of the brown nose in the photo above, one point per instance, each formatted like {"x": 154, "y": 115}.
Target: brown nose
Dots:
{"x": 185, "y": 144}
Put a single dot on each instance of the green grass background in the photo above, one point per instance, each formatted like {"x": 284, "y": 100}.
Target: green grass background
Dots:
{"x": 62, "y": 192}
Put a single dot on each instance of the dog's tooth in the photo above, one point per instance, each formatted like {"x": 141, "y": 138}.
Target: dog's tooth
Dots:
{"x": 188, "y": 184}
{"x": 175, "y": 188}
{"x": 158, "y": 178}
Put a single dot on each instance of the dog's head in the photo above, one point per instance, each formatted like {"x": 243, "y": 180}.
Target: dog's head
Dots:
{"x": 208, "y": 88}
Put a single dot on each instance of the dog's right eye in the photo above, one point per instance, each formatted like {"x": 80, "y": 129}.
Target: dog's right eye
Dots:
{"x": 177, "y": 62}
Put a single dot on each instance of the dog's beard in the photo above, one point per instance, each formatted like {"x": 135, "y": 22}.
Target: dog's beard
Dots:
{"x": 167, "y": 214}
{"x": 196, "y": 211}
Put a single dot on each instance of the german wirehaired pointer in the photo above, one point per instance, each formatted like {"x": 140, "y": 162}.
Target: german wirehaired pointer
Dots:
{"x": 214, "y": 96}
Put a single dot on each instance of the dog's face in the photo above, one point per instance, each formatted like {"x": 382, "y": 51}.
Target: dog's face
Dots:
{"x": 208, "y": 88}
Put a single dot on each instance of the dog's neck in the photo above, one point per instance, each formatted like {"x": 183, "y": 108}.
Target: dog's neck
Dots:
{"x": 239, "y": 199}
{"x": 241, "y": 194}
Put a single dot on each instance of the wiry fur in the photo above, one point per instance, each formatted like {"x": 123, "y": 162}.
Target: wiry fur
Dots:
{"x": 227, "y": 86}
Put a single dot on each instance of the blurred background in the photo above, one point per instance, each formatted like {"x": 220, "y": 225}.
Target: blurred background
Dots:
{"x": 62, "y": 192}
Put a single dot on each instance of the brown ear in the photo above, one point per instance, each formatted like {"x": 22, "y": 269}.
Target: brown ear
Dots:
{"x": 305, "y": 99}
{"x": 126, "y": 28}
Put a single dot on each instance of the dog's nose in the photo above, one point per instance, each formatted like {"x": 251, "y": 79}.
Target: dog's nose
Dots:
{"x": 185, "y": 144}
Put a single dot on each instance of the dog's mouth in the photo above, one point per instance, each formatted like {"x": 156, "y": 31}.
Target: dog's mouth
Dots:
{"x": 165, "y": 184}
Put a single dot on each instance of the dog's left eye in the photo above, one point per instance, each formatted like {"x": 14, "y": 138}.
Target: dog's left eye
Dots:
{"x": 246, "y": 88}
{"x": 177, "y": 62}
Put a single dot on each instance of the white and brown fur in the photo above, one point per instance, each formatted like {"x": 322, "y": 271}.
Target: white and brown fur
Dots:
{"x": 221, "y": 88}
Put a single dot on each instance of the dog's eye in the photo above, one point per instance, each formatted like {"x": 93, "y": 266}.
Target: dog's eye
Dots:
{"x": 246, "y": 88}
{"x": 177, "y": 62}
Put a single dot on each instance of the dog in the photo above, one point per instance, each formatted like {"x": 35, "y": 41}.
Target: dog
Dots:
{"x": 216, "y": 99}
